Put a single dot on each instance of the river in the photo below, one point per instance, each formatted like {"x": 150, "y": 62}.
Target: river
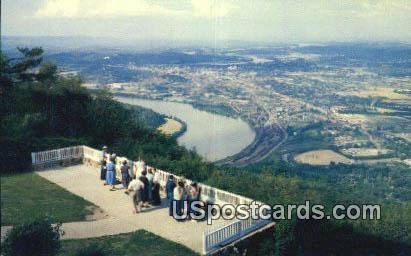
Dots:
{"x": 213, "y": 136}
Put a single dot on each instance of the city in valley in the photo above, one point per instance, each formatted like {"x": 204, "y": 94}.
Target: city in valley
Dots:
{"x": 317, "y": 104}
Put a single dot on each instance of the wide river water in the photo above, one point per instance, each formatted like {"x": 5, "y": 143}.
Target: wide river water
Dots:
{"x": 213, "y": 136}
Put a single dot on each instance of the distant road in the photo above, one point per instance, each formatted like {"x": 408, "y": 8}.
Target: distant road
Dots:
{"x": 382, "y": 160}
{"x": 267, "y": 139}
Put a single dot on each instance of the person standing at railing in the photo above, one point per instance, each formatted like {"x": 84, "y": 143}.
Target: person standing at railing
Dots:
{"x": 193, "y": 195}
{"x": 150, "y": 178}
{"x": 170, "y": 185}
{"x": 103, "y": 170}
{"x": 156, "y": 175}
{"x": 113, "y": 156}
{"x": 125, "y": 178}
{"x": 103, "y": 154}
{"x": 155, "y": 191}
{"x": 103, "y": 162}
{"x": 178, "y": 199}
{"x": 140, "y": 167}
{"x": 144, "y": 195}
{"x": 111, "y": 174}
{"x": 185, "y": 198}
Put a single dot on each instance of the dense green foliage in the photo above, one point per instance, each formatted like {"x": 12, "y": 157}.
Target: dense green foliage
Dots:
{"x": 145, "y": 116}
{"x": 42, "y": 110}
{"x": 27, "y": 196}
{"x": 35, "y": 238}
{"x": 140, "y": 242}
{"x": 46, "y": 111}
{"x": 339, "y": 184}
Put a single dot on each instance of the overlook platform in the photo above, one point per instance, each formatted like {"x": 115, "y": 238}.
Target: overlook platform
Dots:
{"x": 84, "y": 181}
{"x": 76, "y": 169}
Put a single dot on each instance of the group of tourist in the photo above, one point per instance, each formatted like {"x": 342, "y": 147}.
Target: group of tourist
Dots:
{"x": 142, "y": 183}
{"x": 145, "y": 190}
{"x": 180, "y": 195}
{"x": 144, "y": 187}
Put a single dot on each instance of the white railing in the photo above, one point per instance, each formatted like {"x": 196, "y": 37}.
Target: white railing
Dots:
{"x": 209, "y": 194}
{"x": 56, "y": 155}
{"x": 213, "y": 238}
{"x": 92, "y": 154}
{"x": 217, "y": 237}
{"x": 220, "y": 236}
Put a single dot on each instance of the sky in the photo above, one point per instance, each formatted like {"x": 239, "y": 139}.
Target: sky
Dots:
{"x": 211, "y": 20}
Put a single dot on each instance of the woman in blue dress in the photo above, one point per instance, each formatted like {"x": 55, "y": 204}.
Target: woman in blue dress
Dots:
{"x": 111, "y": 174}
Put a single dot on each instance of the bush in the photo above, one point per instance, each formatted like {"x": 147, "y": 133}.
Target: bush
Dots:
{"x": 36, "y": 238}
{"x": 14, "y": 155}
{"x": 92, "y": 250}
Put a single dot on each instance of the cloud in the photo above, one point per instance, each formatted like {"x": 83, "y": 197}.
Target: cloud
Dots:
{"x": 104, "y": 8}
{"x": 212, "y": 8}
{"x": 130, "y": 8}
{"x": 384, "y": 7}
{"x": 368, "y": 8}
{"x": 59, "y": 8}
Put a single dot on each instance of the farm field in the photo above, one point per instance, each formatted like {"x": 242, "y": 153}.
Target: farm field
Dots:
{"x": 377, "y": 91}
{"x": 365, "y": 152}
{"x": 321, "y": 157}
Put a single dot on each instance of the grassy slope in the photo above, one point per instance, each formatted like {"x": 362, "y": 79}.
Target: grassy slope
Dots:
{"x": 27, "y": 195}
{"x": 137, "y": 243}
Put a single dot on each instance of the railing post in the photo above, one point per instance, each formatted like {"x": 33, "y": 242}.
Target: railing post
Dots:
{"x": 204, "y": 243}
{"x": 59, "y": 154}
{"x": 238, "y": 228}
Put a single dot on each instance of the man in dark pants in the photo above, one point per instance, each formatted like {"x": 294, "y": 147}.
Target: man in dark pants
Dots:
{"x": 144, "y": 195}
{"x": 125, "y": 178}
{"x": 170, "y": 185}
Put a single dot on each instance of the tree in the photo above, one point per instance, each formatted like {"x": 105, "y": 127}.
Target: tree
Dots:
{"x": 20, "y": 69}
{"x": 36, "y": 238}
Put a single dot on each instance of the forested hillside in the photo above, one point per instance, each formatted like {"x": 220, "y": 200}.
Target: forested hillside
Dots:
{"x": 41, "y": 110}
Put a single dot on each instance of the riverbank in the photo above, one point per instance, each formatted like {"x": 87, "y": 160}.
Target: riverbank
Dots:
{"x": 213, "y": 136}
{"x": 265, "y": 141}
{"x": 173, "y": 126}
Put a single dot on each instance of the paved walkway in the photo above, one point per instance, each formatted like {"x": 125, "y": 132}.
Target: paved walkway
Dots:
{"x": 84, "y": 181}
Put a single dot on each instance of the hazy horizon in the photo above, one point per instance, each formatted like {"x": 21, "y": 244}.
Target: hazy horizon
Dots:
{"x": 209, "y": 22}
